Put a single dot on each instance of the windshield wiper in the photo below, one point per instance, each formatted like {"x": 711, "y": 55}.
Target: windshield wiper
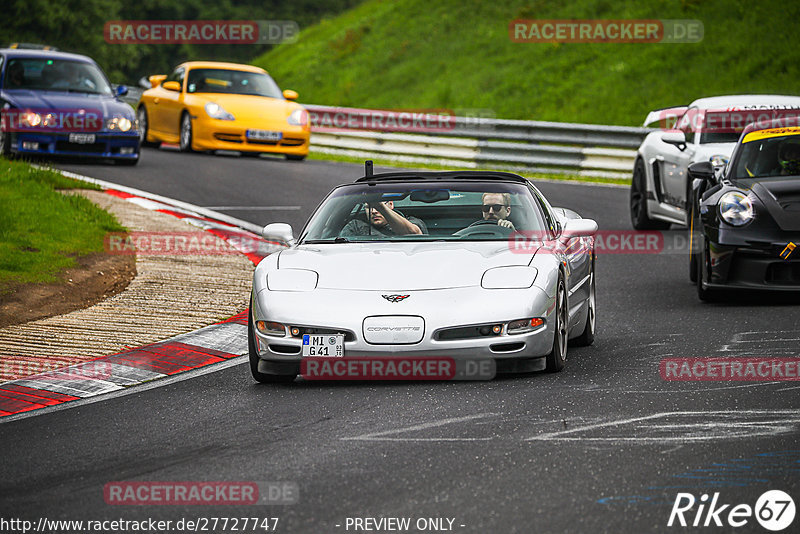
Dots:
{"x": 335, "y": 240}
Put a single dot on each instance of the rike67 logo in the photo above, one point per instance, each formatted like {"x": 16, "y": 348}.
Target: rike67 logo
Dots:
{"x": 774, "y": 511}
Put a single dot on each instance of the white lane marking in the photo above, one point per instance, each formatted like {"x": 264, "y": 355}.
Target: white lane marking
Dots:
{"x": 724, "y": 428}
{"x": 254, "y": 208}
{"x": 378, "y": 436}
{"x": 139, "y": 388}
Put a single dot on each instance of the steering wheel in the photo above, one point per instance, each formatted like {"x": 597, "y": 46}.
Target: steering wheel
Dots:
{"x": 486, "y": 227}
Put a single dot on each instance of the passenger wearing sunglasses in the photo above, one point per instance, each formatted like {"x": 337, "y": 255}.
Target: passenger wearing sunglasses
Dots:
{"x": 497, "y": 207}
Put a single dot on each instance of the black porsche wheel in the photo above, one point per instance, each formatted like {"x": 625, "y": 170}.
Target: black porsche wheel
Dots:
{"x": 703, "y": 268}
{"x": 263, "y": 378}
{"x": 558, "y": 356}
{"x": 638, "y": 202}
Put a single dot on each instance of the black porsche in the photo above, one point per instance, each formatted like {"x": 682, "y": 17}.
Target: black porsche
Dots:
{"x": 745, "y": 217}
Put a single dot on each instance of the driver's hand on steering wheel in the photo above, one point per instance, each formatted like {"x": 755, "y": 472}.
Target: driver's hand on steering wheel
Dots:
{"x": 506, "y": 224}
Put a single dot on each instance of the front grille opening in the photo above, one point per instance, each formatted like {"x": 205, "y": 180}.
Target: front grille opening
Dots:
{"x": 290, "y": 141}
{"x": 507, "y": 347}
{"x": 784, "y": 273}
{"x": 230, "y": 138}
{"x": 465, "y": 332}
{"x": 284, "y": 349}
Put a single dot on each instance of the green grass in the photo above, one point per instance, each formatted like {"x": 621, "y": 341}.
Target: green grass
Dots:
{"x": 533, "y": 176}
{"x": 457, "y": 55}
{"x": 42, "y": 230}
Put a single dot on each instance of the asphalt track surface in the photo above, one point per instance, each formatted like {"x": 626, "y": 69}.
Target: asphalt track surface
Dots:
{"x": 604, "y": 446}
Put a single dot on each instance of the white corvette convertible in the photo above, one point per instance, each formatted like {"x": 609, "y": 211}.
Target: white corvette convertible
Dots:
{"x": 420, "y": 265}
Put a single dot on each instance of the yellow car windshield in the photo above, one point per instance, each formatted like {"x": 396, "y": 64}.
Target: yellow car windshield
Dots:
{"x": 235, "y": 82}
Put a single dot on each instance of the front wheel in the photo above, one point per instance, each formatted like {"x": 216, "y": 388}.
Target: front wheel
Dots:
{"x": 141, "y": 117}
{"x": 558, "y": 356}
{"x": 638, "y": 201}
{"x": 587, "y": 336}
{"x": 186, "y": 133}
{"x": 703, "y": 293}
{"x": 260, "y": 377}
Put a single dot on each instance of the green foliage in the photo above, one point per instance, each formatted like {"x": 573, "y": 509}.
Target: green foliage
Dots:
{"x": 457, "y": 54}
{"x": 42, "y": 230}
{"x": 77, "y": 26}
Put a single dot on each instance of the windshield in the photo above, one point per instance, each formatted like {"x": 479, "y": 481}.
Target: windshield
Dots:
{"x": 236, "y": 82}
{"x": 424, "y": 212}
{"x": 768, "y": 156}
{"x": 50, "y": 74}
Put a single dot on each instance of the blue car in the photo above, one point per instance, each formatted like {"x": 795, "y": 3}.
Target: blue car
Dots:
{"x": 60, "y": 104}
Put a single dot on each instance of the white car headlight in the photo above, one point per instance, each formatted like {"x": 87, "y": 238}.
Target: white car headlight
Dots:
{"x": 718, "y": 160}
{"x": 215, "y": 111}
{"x": 299, "y": 117}
{"x": 735, "y": 208}
{"x": 292, "y": 280}
{"x": 511, "y": 277}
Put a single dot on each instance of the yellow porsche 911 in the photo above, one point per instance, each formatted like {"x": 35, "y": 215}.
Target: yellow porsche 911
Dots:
{"x": 206, "y": 105}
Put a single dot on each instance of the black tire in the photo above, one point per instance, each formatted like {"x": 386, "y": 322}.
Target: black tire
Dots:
{"x": 638, "y": 201}
{"x": 587, "y": 336}
{"x": 262, "y": 378}
{"x": 185, "y": 134}
{"x": 704, "y": 294}
{"x": 294, "y": 157}
{"x": 558, "y": 356}
{"x": 141, "y": 115}
{"x": 5, "y": 141}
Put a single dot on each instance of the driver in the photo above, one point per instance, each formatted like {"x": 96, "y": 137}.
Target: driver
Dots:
{"x": 497, "y": 207}
{"x": 789, "y": 157}
{"x": 16, "y": 75}
{"x": 384, "y": 220}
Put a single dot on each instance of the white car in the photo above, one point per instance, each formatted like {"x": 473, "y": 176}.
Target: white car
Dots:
{"x": 444, "y": 278}
{"x": 705, "y": 130}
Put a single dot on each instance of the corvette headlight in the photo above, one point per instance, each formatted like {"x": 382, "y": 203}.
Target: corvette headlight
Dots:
{"x": 215, "y": 111}
{"x": 299, "y": 117}
{"x": 511, "y": 277}
{"x": 120, "y": 124}
{"x": 718, "y": 160}
{"x": 735, "y": 208}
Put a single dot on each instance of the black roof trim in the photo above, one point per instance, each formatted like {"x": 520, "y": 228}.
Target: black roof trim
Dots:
{"x": 447, "y": 175}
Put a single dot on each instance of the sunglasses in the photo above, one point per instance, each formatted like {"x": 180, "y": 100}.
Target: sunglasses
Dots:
{"x": 495, "y": 207}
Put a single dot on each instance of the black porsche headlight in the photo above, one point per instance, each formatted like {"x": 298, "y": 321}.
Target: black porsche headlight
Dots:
{"x": 735, "y": 208}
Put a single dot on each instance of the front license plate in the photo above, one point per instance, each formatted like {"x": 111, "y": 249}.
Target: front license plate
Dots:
{"x": 81, "y": 138}
{"x": 323, "y": 346}
{"x": 264, "y": 135}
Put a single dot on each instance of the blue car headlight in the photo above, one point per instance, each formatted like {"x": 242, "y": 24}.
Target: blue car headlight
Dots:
{"x": 119, "y": 124}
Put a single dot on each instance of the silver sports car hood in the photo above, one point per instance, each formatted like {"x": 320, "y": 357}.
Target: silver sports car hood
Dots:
{"x": 401, "y": 266}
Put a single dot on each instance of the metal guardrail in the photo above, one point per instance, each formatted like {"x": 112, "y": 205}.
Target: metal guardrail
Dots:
{"x": 475, "y": 142}
{"x": 478, "y": 142}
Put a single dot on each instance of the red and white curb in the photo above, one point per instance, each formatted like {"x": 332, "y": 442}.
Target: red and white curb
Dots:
{"x": 206, "y": 346}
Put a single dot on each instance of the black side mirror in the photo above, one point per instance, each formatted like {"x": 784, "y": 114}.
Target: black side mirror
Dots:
{"x": 702, "y": 170}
